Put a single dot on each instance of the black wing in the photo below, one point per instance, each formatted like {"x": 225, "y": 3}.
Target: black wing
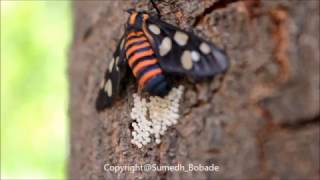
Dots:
{"x": 110, "y": 85}
{"x": 183, "y": 53}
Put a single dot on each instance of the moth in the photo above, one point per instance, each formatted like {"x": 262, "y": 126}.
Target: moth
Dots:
{"x": 154, "y": 50}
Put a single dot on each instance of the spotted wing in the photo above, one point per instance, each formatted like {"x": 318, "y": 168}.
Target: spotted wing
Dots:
{"x": 183, "y": 53}
{"x": 110, "y": 85}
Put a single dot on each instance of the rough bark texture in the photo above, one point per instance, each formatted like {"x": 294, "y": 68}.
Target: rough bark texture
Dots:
{"x": 260, "y": 120}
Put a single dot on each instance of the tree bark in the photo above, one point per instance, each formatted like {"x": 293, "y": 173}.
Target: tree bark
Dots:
{"x": 259, "y": 120}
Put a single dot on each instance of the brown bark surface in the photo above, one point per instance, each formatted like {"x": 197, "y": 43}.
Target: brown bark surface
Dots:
{"x": 260, "y": 120}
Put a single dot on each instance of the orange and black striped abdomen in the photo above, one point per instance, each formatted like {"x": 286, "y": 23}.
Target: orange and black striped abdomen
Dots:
{"x": 144, "y": 64}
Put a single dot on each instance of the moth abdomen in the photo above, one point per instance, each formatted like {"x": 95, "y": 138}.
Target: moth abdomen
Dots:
{"x": 158, "y": 85}
{"x": 144, "y": 64}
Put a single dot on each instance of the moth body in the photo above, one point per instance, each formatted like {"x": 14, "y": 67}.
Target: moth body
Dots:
{"x": 144, "y": 64}
{"x": 154, "y": 50}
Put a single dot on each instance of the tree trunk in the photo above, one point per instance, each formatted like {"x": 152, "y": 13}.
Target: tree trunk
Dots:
{"x": 259, "y": 120}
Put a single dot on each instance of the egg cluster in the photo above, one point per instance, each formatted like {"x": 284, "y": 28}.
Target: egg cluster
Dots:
{"x": 155, "y": 116}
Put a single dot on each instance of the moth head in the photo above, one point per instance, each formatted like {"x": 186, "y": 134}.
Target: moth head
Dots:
{"x": 136, "y": 19}
{"x": 130, "y": 11}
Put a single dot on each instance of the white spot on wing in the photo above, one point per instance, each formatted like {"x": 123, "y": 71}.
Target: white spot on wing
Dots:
{"x": 154, "y": 29}
{"x": 195, "y": 56}
{"x": 108, "y": 88}
{"x": 165, "y": 46}
{"x": 181, "y": 38}
{"x": 186, "y": 60}
{"x": 116, "y": 63}
{"x": 122, "y": 43}
{"x": 205, "y": 48}
{"x": 111, "y": 64}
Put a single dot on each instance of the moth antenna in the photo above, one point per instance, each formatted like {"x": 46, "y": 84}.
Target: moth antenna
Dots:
{"x": 156, "y": 7}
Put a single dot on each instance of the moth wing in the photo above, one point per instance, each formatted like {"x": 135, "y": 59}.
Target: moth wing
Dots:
{"x": 116, "y": 70}
{"x": 183, "y": 53}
